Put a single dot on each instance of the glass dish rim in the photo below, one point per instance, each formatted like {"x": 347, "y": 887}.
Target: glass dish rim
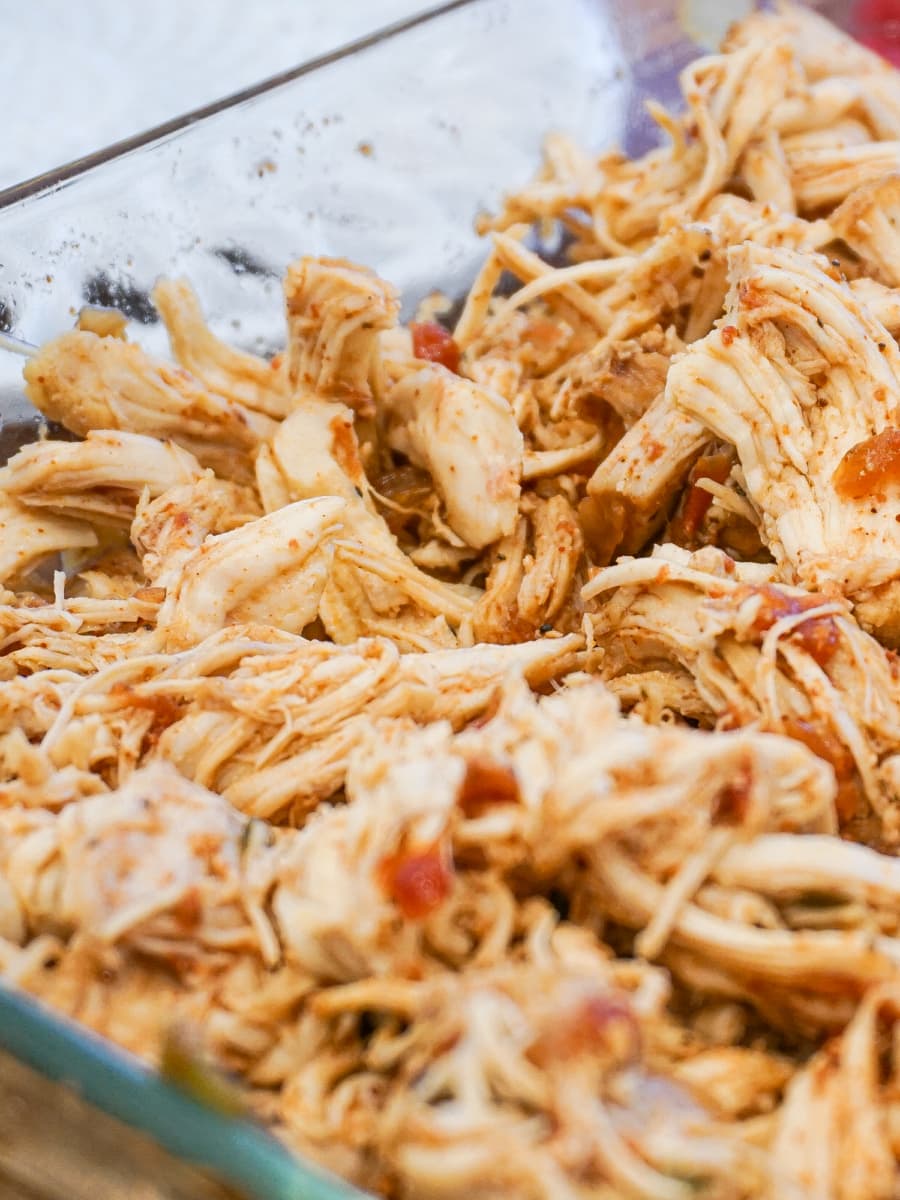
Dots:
{"x": 237, "y": 1151}
{"x": 66, "y": 173}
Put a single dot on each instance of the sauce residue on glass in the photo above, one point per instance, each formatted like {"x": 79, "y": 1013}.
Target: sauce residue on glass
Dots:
{"x": 432, "y": 342}
{"x": 418, "y": 880}
{"x": 870, "y": 467}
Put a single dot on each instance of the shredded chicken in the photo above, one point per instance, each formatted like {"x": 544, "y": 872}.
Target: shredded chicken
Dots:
{"x": 89, "y": 383}
{"x": 867, "y": 221}
{"x": 762, "y": 654}
{"x": 804, "y": 382}
{"x": 27, "y": 538}
{"x": 100, "y": 478}
{"x": 271, "y": 570}
{"x": 485, "y": 742}
{"x": 335, "y": 311}
{"x": 467, "y": 439}
{"x": 242, "y": 378}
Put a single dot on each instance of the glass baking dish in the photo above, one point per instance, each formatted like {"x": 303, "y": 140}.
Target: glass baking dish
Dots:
{"x": 382, "y": 152}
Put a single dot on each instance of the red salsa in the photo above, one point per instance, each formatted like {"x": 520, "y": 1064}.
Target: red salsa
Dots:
{"x": 432, "y": 342}
{"x": 487, "y": 784}
{"x": 417, "y": 880}
{"x": 869, "y": 467}
{"x": 819, "y": 636}
{"x": 600, "y": 1024}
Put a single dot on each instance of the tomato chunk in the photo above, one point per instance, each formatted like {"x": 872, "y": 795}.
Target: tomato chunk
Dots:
{"x": 819, "y": 636}
{"x": 418, "y": 880}
{"x": 869, "y": 468}
{"x": 697, "y": 501}
{"x": 485, "y": 785}
{"x": 603, "y": 1024}
{"x": 432, "y": 342}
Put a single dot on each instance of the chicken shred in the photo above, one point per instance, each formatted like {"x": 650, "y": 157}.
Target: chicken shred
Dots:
{"x": 485, "y": 739}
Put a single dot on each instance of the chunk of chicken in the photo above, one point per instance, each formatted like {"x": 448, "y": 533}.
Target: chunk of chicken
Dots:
{"x": 170, "y": 832}
{"x": 634, "y": 488}
{"x": 373, "y": 587}
{"x": 728, "y": 107}
{"x": 87, "y": 382}
{"x": 801, "y": 379}
{"x": 632, "y": 491}
{"x": 816, "y": 104}
{"x": 851, "y": 131}
{"x": 626, "y": 375}
{"x": 867, "y": 221}
{"x": 169, "y": 527}
{"x": 765, "y": 169}
{"x": 730, "y": 100}
{"x": 100, "y": 477}
{"x": 314, "y": 452}
{"x": 883, "y": 303}
{"x": 27, "y": 537}
{"x": 242, "y": 378}
{"x": 669, "y": 274}
{"x": 834, "y": 1133}
{"x": 822, "y": 178}
{"x": 345, "y": 690}
{"x": 528, "y": 587}
{"x": 740, "y": 220}
{"x": 467, "y": 438}
{"x": 114, "y": 574}
{"x": 335, "y": 311}
{"x": 273, "y": 570}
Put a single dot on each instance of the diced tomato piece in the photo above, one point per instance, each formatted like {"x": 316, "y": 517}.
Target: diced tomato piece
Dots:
{"x": 485, "y": 785}
{"x": 418, "y": 881}
{"x": 432, "y": 342}
{"x": 819, "y": 636}
{"x": 870, "y": 468}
